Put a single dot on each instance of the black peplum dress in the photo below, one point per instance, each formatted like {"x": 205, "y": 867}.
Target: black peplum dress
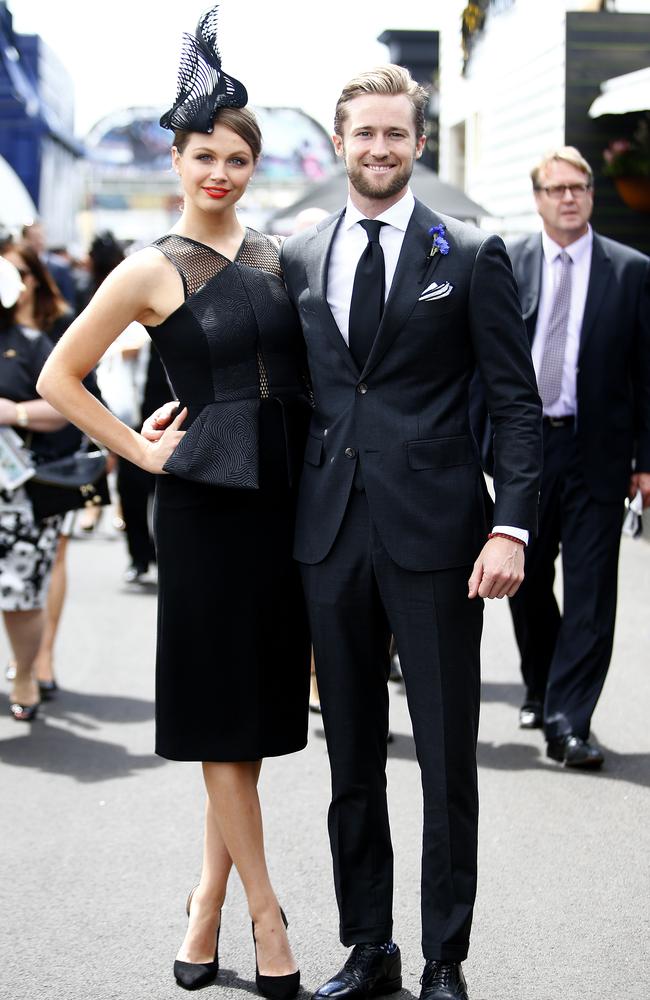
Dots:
{"x": 233, "y": 652}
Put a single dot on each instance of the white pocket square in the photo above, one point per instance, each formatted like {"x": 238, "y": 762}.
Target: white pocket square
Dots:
{"x": 436, "y": 291}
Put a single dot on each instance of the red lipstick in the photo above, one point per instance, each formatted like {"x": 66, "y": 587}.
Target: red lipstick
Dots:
{"x": 216, "y": 192}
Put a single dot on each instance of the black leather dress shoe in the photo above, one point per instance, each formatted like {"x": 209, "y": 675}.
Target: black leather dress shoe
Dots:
{"x": 443, "y": 981}
{"x": 370, "y": 971}
{"x": 531, "y": 715}
{"x": 574, "y": 752}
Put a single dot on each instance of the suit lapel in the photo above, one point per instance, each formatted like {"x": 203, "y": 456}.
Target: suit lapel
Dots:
{"x": 599, "y": 276}
{"x": 320, "y": 250}
{"x": 531, "y": 270}
{"x": 414, "y": 270}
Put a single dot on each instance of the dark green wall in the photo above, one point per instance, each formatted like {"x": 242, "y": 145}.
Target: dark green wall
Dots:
{"x": 598, "y": 47}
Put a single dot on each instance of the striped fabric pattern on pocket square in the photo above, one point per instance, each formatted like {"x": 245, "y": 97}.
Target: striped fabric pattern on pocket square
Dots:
{"x": 436, "y": 291}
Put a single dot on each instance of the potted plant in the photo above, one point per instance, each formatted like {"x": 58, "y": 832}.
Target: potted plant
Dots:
{"x": 627, "y": 162}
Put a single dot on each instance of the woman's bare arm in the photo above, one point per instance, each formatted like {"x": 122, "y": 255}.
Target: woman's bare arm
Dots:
{"x": 142, "y": 289}
{"x": 41, "y": 415}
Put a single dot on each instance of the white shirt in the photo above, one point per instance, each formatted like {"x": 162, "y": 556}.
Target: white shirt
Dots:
{"x": 580, "y": 254}
{"x": 349, "y": 243}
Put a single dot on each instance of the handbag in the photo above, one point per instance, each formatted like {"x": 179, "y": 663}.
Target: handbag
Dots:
{"x": 69, "y": 483}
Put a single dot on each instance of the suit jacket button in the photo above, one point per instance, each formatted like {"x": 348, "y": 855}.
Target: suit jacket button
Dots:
{"x": 362, "y": 388}
{"x": 350, "y": 452}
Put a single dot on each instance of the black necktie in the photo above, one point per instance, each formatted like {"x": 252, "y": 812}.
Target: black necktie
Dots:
{"x": 367, "y": 303}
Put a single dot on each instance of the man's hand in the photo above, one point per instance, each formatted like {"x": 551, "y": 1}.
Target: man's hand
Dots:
{"x": 640, "y": 481}
{"x": 499, "y": 569}
{"x": 154, "y": 426}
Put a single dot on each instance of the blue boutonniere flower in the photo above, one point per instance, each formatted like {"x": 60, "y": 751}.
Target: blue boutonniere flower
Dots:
{"x": 438, "y": 243}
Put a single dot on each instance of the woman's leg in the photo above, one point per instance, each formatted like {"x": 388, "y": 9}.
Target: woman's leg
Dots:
{"x": 208, "y": 898}
{"x": 25, "y": 631}
{"x": 232, "y": 790}
{"x": 44, "y": 662}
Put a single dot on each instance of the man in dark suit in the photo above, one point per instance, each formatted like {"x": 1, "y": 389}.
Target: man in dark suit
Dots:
{"x": 398, "y": 306}
{"x": 586, "y": 304}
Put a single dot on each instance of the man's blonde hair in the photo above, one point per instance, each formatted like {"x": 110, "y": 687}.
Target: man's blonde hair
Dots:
{"x": 564, "y": 154}
{"x": 391, "y": 80}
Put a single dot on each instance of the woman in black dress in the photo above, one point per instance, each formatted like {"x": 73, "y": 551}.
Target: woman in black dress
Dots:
{"x": 233, "y": 647}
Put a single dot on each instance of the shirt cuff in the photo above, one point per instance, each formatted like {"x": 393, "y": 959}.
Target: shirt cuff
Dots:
{"x": 507, "y": 529}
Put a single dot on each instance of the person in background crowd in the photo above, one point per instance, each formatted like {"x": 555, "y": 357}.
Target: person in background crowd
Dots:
{"x": 27, "y": 547}
{"x": 307, "y": 217}
{"x": 586, "y": 304}
{"x": 43, "y": 308}
{"x": 34, "y": 236}
{"x": 133, "y": 383}
{"x": 233, "y": 642}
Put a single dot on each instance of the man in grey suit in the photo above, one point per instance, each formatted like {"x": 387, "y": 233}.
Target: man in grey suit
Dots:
{"x": 398, "y": 305}
{"x": 586, "y": 305}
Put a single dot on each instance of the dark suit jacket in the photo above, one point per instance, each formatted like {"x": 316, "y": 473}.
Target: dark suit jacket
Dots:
{"x": 405, "y": 416}
{"x": 613, "y": 374}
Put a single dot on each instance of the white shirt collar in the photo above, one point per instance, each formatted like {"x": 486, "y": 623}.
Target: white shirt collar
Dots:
{"x": 575, "y": 250}
{"x": 398, "y": 215}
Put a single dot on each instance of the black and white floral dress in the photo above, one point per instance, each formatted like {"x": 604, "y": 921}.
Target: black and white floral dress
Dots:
{"x": 27, "y": 547}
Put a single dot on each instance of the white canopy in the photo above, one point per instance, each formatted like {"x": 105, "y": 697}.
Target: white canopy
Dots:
{"x": 16, "y": 206}
{"x": 630, "y": 92}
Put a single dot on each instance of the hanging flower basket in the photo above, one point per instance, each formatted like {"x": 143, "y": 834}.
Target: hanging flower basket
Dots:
{"x": 627, "y": 162}
{"x": 635, "y": 192}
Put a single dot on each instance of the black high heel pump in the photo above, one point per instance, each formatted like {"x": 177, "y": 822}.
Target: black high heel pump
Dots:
{"x": 24, "y": 713}
{"x": 276, "y": 987}
{"x": 194, "y": 975}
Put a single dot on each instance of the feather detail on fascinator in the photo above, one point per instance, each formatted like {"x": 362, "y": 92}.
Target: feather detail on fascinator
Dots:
{"x": 202, "y": 87}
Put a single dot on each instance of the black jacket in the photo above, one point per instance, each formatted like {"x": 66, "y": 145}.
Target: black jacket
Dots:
{"x": 405, "y": 418}
{"x": 613, "y": 373}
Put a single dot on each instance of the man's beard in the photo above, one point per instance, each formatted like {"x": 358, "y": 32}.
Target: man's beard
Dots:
{"x": 379, "y": 189}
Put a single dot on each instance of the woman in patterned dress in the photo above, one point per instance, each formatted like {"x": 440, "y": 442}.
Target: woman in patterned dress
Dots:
{"x": 27, "y": 546}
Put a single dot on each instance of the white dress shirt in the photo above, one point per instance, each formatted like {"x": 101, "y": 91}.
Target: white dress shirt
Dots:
{"x": 349, "y": 243}
{"x": 580, "y": 253}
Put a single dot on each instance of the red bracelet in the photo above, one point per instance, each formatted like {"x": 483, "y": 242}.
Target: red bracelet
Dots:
{"x": 511, "y": 538}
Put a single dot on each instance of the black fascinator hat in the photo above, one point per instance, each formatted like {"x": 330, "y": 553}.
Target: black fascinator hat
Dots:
{"x": 202, "y": 87}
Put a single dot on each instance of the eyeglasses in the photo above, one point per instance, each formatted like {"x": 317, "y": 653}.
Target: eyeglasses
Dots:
{"x": 556, "y": 191}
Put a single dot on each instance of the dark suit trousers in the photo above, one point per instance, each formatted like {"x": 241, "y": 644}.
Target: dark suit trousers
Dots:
{"x": 135, "y": 487}
{"x": 564, "y": 658}
{"x": 356, "y": 597}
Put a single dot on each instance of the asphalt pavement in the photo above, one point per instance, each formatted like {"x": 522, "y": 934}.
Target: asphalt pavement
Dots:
{"x": 101, "y": 840}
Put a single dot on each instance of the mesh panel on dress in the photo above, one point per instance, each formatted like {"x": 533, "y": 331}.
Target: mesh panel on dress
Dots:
{"x": 195, "y": 262}
{"x": 260, "y": 251}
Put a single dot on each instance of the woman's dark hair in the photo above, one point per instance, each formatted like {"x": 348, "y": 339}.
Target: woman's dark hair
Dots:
{"x": 242, "y": 121}
{"x": 7, "y": 316}
{"x": 105, "y": 254}
{"x": 49, "y": 304}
